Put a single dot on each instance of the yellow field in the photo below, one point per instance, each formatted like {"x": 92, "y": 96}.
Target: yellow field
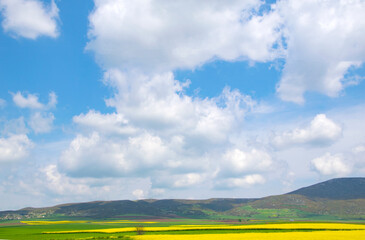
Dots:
{"x": 293, "y": 226}
{"x": 338, "y": 226}
{"x": 318, "y": 235}
{"x": 51, "y": 222}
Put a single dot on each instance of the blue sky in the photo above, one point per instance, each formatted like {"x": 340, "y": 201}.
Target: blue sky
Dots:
{"x": 119, "y": 99}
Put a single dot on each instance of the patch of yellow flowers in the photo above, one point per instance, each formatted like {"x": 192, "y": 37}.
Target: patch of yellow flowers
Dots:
{"x": 292, "y": 226}
{"x": 317, "y": 235}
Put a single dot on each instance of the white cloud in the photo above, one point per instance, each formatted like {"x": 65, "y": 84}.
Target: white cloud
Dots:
{"x": 237, "y": 162}
{"x": 60, "y": 184}
{"x": 330, "y": 165}
{"x": 149, "y": 150}
{"x": 14, "y": 148}
{"x": 324, "y": 40}
{"x": 41, "y": 122}
{"x": 52, "y": 102}
{"x": 246, "y": 181}
{"x": 239, "y": 168}
{"x": 92, "y": 156}
{"x": 98, "y": 156}
{"x": 321, "y": 131}
{"x": 167, "y": 179}
{"x": 157, "y": 129}
{"x": 164, "y": 35}
{"x": 138, "y": 193}
{"x": 188, "y": 180}
{"x": 172, "y": 133}
{"x": 15, "y": 127}
{"x": 173, "y": 140}
{"x": 31, "y": 101}
{"x": 29, "y": 18}
{"x": 158, "y": 103}
{"x": 49, "y": 186}
{"x": 112, "y": 123}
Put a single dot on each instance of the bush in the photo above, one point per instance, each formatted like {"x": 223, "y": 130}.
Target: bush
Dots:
{"x": 139, "y": 230}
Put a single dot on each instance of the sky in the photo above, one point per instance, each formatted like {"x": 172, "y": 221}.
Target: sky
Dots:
{"x": 125, "y": 99}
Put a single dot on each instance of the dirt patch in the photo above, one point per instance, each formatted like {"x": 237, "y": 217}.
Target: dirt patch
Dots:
{"x": 11, "y": 224}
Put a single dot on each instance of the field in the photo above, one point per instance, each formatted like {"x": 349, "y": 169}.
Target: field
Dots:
{"x": 177, "y": 229}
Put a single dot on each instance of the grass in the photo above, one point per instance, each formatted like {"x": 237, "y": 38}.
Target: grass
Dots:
{"x": 250, "y": 213}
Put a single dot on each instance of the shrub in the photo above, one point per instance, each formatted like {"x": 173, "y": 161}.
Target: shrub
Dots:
{"x": 139, "y": 230}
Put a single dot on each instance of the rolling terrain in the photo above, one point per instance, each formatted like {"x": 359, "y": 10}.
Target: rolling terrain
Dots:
{"x": 335, "y": 189}
{"x": 341, "y": 198}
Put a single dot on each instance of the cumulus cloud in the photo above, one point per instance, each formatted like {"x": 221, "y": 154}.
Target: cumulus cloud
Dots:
{"x": 138, "y": 193}
{"x": 29, "y": 18}
{"x": 98, "y": 156}
{"x": 49, "y": 186}
{"x": 112, "y": 123}
{"x": 60, "y": 184}
{"x": 161, "y": 35}
{"x": 14, "y": 148}
{"x": 177, "y": 141}
{"x": 239, "y": 182}
{"x": 157, "y": 129}
{"x": 188, "y": 180}
{"x": 237, "y": 162}
{"x": 321, "y": 131}
{"x": 243, "y": 168}
{"x": 324, "y": 40}
{"x": 31, "y": 101}
{"x": 329, "y": 164}
{"x": 93, "y": 157}
{"x": 14, "y": 127}
{"x": 52, "y": 100}
{"x": 176, "y": 180}
{"x": 158, "y": 103}
{"x": 41, "y": 122}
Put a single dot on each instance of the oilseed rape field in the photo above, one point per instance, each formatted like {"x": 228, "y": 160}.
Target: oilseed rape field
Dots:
{"x": 183, "y": 229}
{"x": 293, "y": 226}
{"x": 320, "y": 235}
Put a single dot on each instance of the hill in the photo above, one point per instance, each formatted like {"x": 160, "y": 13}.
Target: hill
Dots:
{"x": 341, "y": 198}
{"x": 335, "y": 189}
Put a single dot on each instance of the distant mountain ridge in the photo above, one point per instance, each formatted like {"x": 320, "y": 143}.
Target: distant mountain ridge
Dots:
{"x": 335, "y": 189}
{"x": 341, "y": 197}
